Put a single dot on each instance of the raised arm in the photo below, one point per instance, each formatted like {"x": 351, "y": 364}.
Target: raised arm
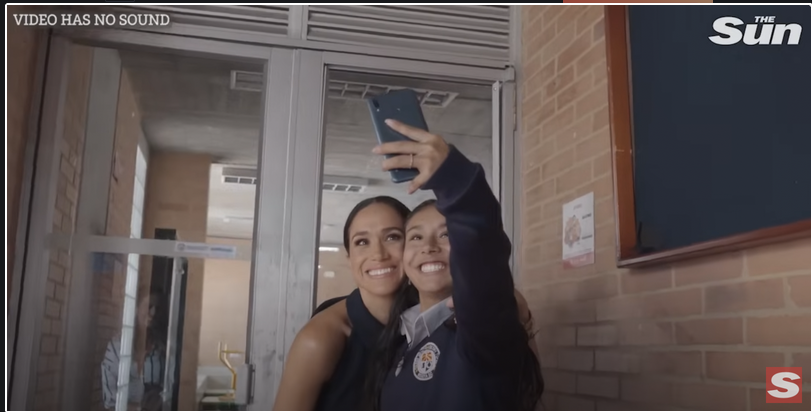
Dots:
{"x": 489, "y": 333}
{"x": 488, "y": 327}
{"x": 312, "y": 359}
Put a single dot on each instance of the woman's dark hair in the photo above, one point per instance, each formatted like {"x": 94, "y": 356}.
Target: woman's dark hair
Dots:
{"x": 531, "y": 384}
{"x": 395, "y": 204}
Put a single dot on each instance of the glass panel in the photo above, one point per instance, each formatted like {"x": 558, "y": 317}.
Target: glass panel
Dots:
{"x": 170, "y": 131}
{"x": 459, "y": 112}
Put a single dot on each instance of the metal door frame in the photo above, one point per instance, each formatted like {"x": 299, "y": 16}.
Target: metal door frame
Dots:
{"x": 42, "y": 177}
{"x": 291, "y": 153}
{"x": 298, "y": 287}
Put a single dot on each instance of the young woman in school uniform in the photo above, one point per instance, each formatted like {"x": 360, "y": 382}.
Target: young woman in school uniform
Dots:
{"x": 329, "y": 359}
{"x": 475, "y": 357}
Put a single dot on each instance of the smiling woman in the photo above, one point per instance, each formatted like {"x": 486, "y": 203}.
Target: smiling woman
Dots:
{"x": 351, "y": 173}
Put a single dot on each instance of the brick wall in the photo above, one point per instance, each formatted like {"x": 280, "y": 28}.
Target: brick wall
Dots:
{"x": 693, "y": 335}
{"x": 111, "y": 281}
{"x": 23, "y": 44}
{"x": 51, "y": 351}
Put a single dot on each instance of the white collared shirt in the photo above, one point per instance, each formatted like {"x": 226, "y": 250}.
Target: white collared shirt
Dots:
{"x": 417, "y": 326}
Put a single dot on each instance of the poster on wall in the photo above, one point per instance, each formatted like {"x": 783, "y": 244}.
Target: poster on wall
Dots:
{"x": 578, "y": 240}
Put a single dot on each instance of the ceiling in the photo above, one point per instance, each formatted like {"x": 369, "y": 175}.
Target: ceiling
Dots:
{"x": 188, "y": 105}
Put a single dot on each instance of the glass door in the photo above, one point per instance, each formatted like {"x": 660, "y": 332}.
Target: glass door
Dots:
{"x": 333, "y": 168}
{"x": 156, "y": 227}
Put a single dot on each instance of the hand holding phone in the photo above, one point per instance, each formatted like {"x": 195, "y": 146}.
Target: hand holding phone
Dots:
{"x": 423, "y": 152}
{"x": 403, "y": 106}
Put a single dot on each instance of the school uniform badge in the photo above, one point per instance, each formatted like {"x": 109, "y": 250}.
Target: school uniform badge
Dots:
{"x": 425, "y": 362}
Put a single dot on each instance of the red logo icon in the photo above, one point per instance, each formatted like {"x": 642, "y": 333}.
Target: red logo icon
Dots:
{"x": 784, "y": 385}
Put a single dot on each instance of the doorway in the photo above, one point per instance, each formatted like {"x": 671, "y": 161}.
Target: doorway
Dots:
{"x": 239, "y": 147}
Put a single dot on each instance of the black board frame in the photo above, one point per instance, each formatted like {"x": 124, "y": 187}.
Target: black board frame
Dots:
{"x": 627, "y": 252}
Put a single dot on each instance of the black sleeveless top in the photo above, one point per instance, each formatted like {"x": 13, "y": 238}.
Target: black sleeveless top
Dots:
{"x": 344, "y": 390}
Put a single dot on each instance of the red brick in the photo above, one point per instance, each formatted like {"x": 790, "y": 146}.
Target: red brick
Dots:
{"x": 537, "y": 195}
{"x": 741, "y": 366}
{"x": 758, "y": 402}
{"x": 682, "y": 363}
{"x": 550, "y": 14}
{"x": 575, "y": 312}
{"x": 572, "y": 134}
{"x": 548, "y": 356}
{"x": 646, "y": 280}
{"x": 779, "y": 330}
{"x": 593, "y": 288}
{"x": 602, "y": 386}
{"x": 614, "y": 361}
{"x": 570, "y": 15}
{"x": 587, "y": 19}
{"x": 802, "y": 360}
{"x": 577, "y": 48}
{"x": 709, "y": 269}
{"x": 558, "y": 83}
{"x": 611, "y": 405}
{"x": 659, "y": 305}
{"x": 565, "y": 336}
{"x": 573, "y": 403}
{"x": 603, "y": 335}
{"x": 647, "y": 391}
{"x": 575, "y": 359}
{"x": 598, "y": 31}
{"x": 722, "y": 331}
{"x": 645, "y": 333}
{"x": 743, "y": 296}
{"x": 559, "y": 381}
{"x": 596, "y": 99}
{"x": 710, "y": 397}
{"x": 557, "y": 164}
{"x": 799, "y": 290}
{"x": 779, "y": 258}
{"x": 574, "y": 178}
{"x": 591, "y": 147}
{"x": 601, "y": 166}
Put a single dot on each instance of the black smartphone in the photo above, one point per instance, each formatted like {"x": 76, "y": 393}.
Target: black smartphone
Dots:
{"x": 403, "y": 106}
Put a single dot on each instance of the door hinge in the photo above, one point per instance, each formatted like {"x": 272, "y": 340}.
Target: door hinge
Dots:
{"x": 243, "y": 395}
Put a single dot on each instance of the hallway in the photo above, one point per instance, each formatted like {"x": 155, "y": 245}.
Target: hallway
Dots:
{"x": 688, "y": 326}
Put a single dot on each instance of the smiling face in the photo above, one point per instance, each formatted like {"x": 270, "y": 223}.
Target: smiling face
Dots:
{"x": 426, "y": 253}
{"x": 376, "y": 249}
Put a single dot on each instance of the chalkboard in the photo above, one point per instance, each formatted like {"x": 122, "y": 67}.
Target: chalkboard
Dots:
{"x": 721, "y": 133}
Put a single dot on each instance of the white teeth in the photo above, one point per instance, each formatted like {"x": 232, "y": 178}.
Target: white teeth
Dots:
{"x": 431, "y": 267}
{"x": 379, "y": 272}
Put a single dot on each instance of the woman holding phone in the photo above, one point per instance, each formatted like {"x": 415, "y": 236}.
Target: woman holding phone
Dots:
{"x": 329, "y": 359}
{"x": 476, "y": 357}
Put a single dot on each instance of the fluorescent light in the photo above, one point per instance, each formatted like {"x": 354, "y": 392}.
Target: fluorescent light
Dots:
{"x": 328, "y": 249}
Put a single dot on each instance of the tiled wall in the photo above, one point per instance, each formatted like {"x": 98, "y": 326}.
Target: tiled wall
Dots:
{"x": 693, "y": 335}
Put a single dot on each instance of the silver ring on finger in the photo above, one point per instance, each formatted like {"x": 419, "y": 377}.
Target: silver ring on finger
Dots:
{"x": 411, "y": 161}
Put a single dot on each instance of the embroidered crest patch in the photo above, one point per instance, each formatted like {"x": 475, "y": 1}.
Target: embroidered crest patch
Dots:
{"x": 426, "y": 361}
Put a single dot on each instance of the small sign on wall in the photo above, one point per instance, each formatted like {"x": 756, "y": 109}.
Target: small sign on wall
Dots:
{"x": 578, "y": 238}
{"x": 205, "y": 250}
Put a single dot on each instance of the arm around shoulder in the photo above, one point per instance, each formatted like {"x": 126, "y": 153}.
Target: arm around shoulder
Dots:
{"x": 311, "y": 361}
